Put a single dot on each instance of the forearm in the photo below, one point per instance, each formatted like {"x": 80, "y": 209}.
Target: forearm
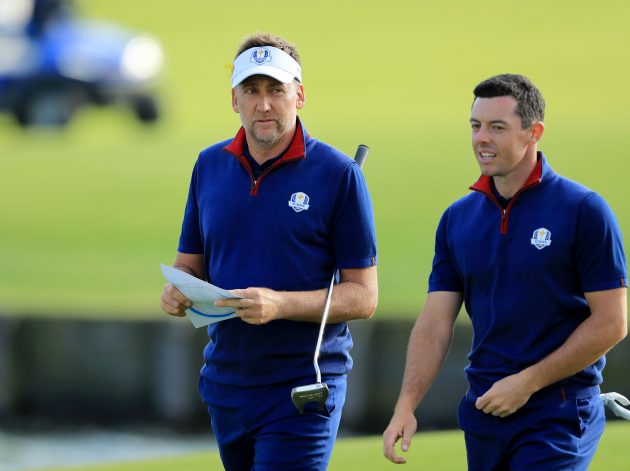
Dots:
{"x": 597, "y": 334}
{"x": 427, "y": 350}
{"x": 589, "y": 342}
{"x": 355, "y": 297}
{"x": 350, "y": 300}
{"x": 429, "y": 343}
{"x": 191, "y": 264}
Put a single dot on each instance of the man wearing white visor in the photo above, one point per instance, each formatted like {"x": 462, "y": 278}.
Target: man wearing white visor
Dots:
{"x": 271, "y": 214}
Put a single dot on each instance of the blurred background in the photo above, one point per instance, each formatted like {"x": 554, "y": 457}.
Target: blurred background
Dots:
{"x": 104, "y": 106}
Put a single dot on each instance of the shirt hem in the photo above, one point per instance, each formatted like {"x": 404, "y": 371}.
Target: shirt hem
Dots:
{"x": 620, "y": 282}
{"x": 360, "y": 263}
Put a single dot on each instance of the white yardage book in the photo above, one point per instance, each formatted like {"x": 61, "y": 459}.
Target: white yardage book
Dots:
{"x": 202, "y": 294}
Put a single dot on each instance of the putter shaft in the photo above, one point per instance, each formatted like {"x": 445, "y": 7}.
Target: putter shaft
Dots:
{"x": 321, "y": 328}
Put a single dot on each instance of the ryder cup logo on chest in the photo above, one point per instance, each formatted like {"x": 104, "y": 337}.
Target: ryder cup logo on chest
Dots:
{"x": 299, "y": 201}
{"x": 260, "y": 56}
{"x": 541, "y": 238}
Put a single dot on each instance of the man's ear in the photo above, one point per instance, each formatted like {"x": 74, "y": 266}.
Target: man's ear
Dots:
{"x": 234, "y": 101}
{"x": 538, "y": 128}
{"x": 301, "y": 97}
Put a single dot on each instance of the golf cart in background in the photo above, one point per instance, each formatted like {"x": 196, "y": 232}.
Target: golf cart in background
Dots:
{"x": 52, "y": 63}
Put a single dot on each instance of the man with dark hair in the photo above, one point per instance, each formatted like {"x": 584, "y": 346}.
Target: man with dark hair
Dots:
{"x": 530, "y": 104}
{"x": 539, "y": 262}
{"x": 272, "y": 214}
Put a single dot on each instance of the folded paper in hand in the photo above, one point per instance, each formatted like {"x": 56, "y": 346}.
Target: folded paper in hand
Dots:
{"x": 202, "y": 294}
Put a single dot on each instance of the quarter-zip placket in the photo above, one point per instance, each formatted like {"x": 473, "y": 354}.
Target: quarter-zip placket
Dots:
{"x": 484, "y": 186}
{"x": 505, "y": 212}
{"x": 295, "y": 151}
{"x": 255, "y": 182}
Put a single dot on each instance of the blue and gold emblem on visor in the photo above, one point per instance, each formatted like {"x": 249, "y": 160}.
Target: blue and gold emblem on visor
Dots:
{"x": 260, "y": 56}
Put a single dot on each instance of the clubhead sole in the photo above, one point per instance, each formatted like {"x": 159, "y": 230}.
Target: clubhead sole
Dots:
{"x": 302, "y": 395}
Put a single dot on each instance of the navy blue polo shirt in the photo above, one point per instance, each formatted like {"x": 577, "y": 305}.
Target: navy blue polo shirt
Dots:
{"x": 303, "y": 217}
{"x": 524, "y": 270}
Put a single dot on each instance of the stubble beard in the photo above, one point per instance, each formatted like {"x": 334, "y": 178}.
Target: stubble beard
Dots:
{"x": 269, "y": 140}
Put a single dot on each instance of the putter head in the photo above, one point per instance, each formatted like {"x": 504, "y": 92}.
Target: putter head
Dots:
{"x": 302, "y": 395}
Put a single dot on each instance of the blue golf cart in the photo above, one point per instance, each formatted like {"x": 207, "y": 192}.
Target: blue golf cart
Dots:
{"x": 52, "y": 63}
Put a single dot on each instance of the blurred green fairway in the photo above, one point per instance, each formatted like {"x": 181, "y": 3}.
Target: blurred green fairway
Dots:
{"x": 87, "y": 214}
{"x": 438, "y": 451}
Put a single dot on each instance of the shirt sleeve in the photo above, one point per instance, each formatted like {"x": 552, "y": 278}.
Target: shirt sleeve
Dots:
{"x": 190, "y": 240}
{"x": 444, "y": 276}
{"x": 600, "y": 254}
{"x": 354, "y": 235}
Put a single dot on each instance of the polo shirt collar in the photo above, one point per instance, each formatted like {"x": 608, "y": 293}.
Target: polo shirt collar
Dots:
{"x": 296, "y": 150}
{"x": 540, "y": 172}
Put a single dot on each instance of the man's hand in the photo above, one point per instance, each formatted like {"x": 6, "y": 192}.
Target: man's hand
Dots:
{"x": 402, "y": 425}
{"x": 256, "y": 305}
{"x": 505, "y": 397}
{"x": 173, "y": 302}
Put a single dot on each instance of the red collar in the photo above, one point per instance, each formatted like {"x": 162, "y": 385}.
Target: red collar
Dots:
{"x": 295, "y": 150}
{"x": 484, "y": 184}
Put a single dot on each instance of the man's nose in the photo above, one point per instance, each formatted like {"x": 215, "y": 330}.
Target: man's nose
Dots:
{"x": 264, "y": 102}
{"x": 481, "y": 135}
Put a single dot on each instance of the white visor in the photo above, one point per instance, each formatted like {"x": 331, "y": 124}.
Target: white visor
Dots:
{"x": 265, "y": 60}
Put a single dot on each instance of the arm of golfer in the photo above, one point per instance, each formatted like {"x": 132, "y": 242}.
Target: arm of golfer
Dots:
{"x": 355, "y": 297}
{"x": 429, "y": 343}
{"x": 597, "y": 334}
{"x": 172, "y": 301}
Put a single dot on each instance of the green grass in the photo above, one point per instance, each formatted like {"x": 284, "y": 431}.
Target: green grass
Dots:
{"x": 438, "y": 451}
{"x": 86, "y": 215}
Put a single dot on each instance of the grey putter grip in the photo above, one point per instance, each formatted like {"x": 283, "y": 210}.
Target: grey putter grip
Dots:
{"x": 361, "y": 154}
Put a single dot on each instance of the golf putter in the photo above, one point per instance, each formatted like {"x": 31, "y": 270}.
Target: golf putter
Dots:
{"x": 318, "y": 392}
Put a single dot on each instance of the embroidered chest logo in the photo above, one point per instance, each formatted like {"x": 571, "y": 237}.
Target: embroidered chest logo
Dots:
{"x": 541, "y": 238}
{"x": 299, "y": 201}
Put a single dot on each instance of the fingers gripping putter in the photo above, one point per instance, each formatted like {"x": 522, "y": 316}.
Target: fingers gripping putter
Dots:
{"x": 318, "y": 392}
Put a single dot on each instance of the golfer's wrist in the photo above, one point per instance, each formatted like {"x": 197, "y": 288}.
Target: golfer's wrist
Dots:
{"x": 406, "y": 404}
{"x": 532, "y": 380}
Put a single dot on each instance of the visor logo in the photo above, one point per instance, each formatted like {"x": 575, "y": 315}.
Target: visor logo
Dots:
{"x": 260, "y": 56}
{"x": 541, "y": 238}
{"x": 299, "y": 201}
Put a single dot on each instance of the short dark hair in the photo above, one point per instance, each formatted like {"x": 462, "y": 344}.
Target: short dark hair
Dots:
{"x": 530, "y": 102}
{"x": 261, "y": 39}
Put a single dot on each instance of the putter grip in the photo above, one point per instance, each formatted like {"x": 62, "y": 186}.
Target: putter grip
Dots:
{"x": 361, "y": 154}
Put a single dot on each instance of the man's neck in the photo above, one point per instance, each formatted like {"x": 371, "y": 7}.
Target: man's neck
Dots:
{"x": 261, "y": 153}
{"x": 508, "y": 185}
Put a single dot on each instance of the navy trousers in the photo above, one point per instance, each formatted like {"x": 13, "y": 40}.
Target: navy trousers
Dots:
{"x": 259, "y": 429}
{"x": 556, "y": 430}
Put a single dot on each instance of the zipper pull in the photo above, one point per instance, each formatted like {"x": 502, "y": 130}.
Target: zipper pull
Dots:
{"x": 254, "y": 184}
{"x": 503, "y": 213}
